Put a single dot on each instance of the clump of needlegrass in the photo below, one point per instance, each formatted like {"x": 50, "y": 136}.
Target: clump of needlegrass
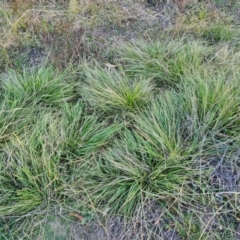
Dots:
{"x": 122, "y": 179}
{"x": 164, "y": 61}
{"x": 113, "y": 92}
{"x": 38, "y": 160}
{"x": 211, "y": 102}
{"x": 25, "y": 93}
{"x": 41, "y": 86}
{"x": 148, "y": 162}
{"x": 32, "y": 172}
{"x": 219, "y": 32}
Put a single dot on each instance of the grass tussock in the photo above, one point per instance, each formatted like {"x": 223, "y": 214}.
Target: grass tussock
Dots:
{"x": 42, "y": 86}
{"x": 114, "y": 92}
{"x": 146, "y": 163}
{"x": 213, "y": 101}
{"x": 166, "y": 62}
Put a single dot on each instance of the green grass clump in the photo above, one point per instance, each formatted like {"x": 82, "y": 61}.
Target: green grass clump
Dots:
{"x": 165, "y": 61}
{"x": 212, "y": 103}
{"x": 219, "y": 32}
{"x": 130, "y": 174}
{"x": 40, "y": 158}
{"x": 42, "y": 86}
{"x": 113, "y": 92}
{"x": 31, "y": 167}
{"x": 149, "y": 162}
{"x": 25, "y": 93}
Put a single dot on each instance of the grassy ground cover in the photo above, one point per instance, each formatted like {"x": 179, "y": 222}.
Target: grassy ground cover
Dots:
{"x": 120, "y": 120}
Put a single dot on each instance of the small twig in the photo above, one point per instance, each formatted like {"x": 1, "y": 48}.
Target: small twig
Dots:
{"x": 219, "y": 193}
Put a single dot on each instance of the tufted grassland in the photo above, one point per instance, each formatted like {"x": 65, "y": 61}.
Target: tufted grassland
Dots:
{"x": 119, "y": 120}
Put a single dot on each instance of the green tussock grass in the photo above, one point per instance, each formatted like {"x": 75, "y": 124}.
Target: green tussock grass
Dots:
{"x": 114, "y": 92}
{"x": 139, "y": 134}
{"x": 41, "y": 86}
{"x": 165, "y": 61}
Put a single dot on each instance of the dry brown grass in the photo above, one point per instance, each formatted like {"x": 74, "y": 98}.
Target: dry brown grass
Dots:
{"x": 90, "y": 31}
{"x": 183, "y": 3}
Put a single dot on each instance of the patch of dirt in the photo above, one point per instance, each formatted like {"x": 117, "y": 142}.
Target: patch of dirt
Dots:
{"x": 148, "y": 225}
{"x": 36, "y": 57}
{"x": 226, "y": 174}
